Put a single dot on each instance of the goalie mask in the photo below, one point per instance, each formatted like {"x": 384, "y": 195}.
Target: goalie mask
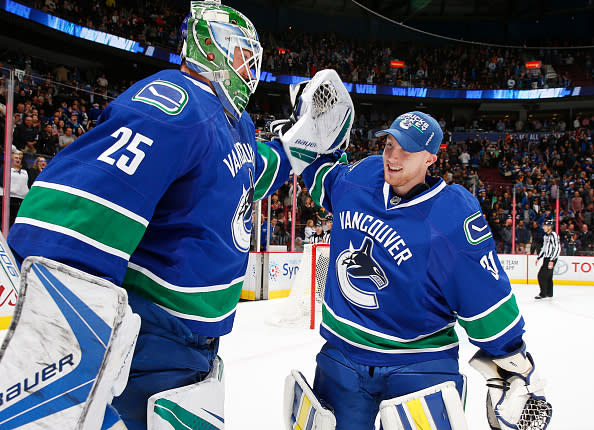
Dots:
{"x": 221, "y": 44}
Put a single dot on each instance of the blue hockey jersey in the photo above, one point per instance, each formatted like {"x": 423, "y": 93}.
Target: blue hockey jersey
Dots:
{"x": 402, "y": 272}
{"x": 157, "y": 198}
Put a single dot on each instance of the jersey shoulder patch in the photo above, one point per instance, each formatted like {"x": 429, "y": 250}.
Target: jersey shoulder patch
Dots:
{"x": 164, "y": 95}
{"x": 476, "y": 228}
{"x": 463, "y": 212}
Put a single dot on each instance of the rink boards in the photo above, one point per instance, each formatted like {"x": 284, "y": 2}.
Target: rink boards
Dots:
{"x": 270, "y": 274}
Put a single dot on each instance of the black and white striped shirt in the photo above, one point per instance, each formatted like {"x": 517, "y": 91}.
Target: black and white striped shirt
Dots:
{"x": 551, "y": 248}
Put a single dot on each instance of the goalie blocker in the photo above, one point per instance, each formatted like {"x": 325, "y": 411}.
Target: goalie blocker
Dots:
{"x": 68, "y": 350}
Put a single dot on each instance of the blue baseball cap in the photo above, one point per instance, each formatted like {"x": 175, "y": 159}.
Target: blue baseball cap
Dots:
{"x": 415, "y": 132}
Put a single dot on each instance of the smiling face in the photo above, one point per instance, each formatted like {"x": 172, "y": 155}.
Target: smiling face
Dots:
{"x": 403, "y": 170}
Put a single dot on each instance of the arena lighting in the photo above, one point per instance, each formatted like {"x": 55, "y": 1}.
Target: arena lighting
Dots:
{"x": 111, "y": 40}
{"x": 396, "y": 64}
{"x": 533, "y": 64}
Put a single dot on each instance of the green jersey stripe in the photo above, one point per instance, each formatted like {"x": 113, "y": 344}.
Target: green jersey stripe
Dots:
{"x": 272, "y": 164}
{"x": 389, "y": 351}
{"x": 494, "y": 322}
{"x": 79, "y": 214}
{"x": 73, "y": 234}
{"x": 367, "y": 339}
{"x": 93, "y": 197}
{"x": 317, "y": 190}
{"x": 193, "y": 303}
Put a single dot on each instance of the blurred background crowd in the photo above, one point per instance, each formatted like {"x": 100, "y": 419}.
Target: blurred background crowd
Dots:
{"x": 519, "y": 167}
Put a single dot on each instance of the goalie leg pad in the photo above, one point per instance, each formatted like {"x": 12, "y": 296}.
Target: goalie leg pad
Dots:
{"x": 437, "y": 407}
{"x": 195, "y": 406}
{"x": 67, "y": 351}
{"x": 302, "y": 409}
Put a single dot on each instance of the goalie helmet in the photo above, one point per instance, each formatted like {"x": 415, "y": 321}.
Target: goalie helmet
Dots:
{"x": 222, "y": 45}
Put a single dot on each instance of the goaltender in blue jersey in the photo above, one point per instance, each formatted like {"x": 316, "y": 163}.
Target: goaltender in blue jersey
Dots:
{"x": 410, "y": 256}
{"x": 157, "y": 198}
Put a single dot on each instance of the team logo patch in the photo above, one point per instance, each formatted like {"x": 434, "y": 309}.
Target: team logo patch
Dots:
{"x": 241, "y": 225}
{"x": 476, "y": 229}
{"x": 359, "y": 264}
{"x": 167, "y": 96}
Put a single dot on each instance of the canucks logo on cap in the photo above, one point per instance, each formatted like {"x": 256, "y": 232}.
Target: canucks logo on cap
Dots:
{"x": 409, "y": 120}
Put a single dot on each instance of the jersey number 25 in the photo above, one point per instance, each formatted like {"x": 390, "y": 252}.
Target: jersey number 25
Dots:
{"x": 124, "y": 163}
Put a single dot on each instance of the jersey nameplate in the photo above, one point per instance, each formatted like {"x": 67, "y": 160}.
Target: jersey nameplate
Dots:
{"x": 167, "y": 96}
{"x": 476, "y": 229}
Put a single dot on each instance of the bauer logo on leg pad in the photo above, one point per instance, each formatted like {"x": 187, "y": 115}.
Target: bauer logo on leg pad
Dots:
{"x": 56, "y": 326}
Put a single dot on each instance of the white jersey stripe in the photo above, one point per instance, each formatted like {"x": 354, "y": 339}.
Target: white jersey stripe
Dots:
{"x": 179, "y": 288}
{"x": 74, "y": 234}
{"x": 196, "y": 317}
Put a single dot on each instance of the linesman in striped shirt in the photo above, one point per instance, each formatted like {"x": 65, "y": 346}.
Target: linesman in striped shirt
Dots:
{"x": 551, "y": 248}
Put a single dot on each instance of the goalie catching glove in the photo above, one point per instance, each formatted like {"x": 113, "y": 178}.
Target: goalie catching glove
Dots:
{"x": 515, "y": 397}
{"x": 321, "y": 120}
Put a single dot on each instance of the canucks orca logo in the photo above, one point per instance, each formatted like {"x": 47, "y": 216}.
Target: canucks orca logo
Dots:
{"x": 359, "y": 263}
{"x": 241, "y": 225}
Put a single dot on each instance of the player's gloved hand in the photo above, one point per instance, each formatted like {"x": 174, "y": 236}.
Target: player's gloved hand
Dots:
{"x": 321, "y": 121}
{"x": 280, "y": 126}
{"x": 515, "y": 397}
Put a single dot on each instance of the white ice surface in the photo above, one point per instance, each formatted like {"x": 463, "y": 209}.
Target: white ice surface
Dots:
{"x": 559, "y": 334}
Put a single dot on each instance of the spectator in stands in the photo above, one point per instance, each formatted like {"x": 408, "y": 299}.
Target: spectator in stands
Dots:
{"x": 298, "y": 244}
{"x": 275, "y": 206}
{"x": 577, "y": 203}
{"x": 38, "y": 165}
{"x": 308, "y": 211}
{"x": 522, "y": 237}
{"x": 506, "y": 236}
{"x": 95, "y": 112}
{"x": 48, "y": 141}
{"x": 586, "y": 239}
{"x": 25, "y": 136}
{"x": 18, "y": 184}
{"x": 309, "y": 230}
{"x": 75, "y": 125}
{"x": 102, "y": 83}
{"x": 66, "y": 139}
{"x": 537, "y": 234}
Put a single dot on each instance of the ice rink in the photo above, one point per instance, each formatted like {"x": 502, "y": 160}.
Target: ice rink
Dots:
{"x": 559, "y": 334}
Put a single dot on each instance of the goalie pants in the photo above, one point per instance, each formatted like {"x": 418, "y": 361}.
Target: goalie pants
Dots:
{"x": 167, "y": 355}
{"x": 354, "y": 391}
{"x": 545, "y": 279}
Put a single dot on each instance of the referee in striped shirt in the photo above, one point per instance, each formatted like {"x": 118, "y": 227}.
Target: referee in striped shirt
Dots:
{"x": 551, "y": 248}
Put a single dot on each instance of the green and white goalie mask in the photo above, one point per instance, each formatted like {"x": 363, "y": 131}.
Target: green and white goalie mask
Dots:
{"x": 222, "y": 45}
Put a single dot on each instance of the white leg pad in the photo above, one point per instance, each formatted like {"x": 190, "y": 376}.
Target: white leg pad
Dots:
{"x": 302, "y": 409}
{"x": 437, "y": 407}
{"x": 68, "y": 350}
{"x": 196, "y": 406}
